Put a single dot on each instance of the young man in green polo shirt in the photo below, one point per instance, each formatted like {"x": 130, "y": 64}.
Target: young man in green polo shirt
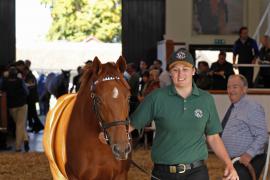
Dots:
{"x": 185, "y": 118}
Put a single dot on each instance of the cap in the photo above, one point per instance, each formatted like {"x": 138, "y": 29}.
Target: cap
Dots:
{"x": 181, "y": 56}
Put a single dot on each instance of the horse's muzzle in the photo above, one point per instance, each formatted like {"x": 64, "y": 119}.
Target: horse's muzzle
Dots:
{"x": 121, "y": 151}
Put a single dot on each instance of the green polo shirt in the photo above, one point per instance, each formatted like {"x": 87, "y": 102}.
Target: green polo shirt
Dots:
{"x": 181, "y": 124}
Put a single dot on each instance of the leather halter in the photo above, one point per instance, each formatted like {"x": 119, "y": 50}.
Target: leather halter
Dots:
{"x": 96, "y": 103}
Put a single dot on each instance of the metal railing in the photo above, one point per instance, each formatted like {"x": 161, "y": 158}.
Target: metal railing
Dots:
{"x": 265, "y": 19}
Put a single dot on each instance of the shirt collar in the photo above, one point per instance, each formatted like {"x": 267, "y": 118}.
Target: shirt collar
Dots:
{"x": 195, "y": 90}
{"x": 242, "y": 99}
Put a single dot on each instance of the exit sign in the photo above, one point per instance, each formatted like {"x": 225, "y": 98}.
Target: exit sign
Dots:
{"x": 219, "y": 41}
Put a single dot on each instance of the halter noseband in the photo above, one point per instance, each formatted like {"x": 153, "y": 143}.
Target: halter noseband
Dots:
{"x": 96, "y": 102}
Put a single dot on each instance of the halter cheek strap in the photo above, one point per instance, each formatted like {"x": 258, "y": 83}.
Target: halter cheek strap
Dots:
{"x": 96, "y": 102}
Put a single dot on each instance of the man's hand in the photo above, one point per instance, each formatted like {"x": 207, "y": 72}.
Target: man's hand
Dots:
{"x": 245, "y": 159}
{"x": 230, "y": 173}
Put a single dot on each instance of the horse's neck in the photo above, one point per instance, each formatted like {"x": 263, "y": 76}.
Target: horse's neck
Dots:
{"x": 87, "y": 114}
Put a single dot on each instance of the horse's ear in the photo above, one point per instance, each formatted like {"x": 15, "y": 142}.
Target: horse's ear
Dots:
{"x": 96, "y": 66}
{"x": 121, "y": 64}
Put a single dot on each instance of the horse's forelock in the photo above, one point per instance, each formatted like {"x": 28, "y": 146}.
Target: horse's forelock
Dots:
{"x": 108, "y": 69}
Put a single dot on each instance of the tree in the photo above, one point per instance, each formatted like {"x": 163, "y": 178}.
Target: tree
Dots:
{"x": 75, "y": 20}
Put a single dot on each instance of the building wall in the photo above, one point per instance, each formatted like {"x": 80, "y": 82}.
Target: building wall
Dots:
{"x": 179, "y": 22}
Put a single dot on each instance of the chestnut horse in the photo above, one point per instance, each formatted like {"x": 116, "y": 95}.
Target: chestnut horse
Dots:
{"x": 72, "y": 127}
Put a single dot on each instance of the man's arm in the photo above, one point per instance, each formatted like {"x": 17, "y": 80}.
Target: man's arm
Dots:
{"x": 218, "y": 147}
{"x": 130, "y": 128}
{"x": 258, "y": 127}
{"x": 235, "y": 51}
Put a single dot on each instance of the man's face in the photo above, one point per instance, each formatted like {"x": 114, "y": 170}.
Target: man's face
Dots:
{"x": 235, "y": 89}
{"x": 244, "y": 34}
{"x": 203, "y": 68}
{"x": 156, "y": 64}
{"x": 143, "y": 65}
{"x": 181, "y": 75}
{"x": 221, "y": 59}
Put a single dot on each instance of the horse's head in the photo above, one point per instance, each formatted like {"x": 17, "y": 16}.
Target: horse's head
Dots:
{"x": 64, "y": 81}
{"x": 110, "y": 94}
{"x": 66, "y": 74}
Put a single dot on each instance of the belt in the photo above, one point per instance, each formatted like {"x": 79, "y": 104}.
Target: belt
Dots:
{"x": 181, "y": 168}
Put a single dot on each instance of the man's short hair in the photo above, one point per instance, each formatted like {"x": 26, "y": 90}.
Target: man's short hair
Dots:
{"x": 203, "y": 63}
{"x": 241, "y": 77}
{"x": 242, "y": 28}
{"x": 159, "y": 61}
{"x": 223, "y": 53}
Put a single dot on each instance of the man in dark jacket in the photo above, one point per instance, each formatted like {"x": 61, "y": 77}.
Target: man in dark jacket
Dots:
{"x": 247, "y": 50}
{"x": 220, "y": 71}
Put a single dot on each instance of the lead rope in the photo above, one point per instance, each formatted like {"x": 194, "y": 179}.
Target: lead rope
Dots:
{"x": 143, "y": 170}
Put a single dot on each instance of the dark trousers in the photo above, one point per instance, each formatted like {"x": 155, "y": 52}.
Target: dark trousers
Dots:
{"x": 248, "y": 73}
{"x": 3, "y": 140}
{"x": 257, "y": 163}
{"x": 33, "y": 119}
{"x": 162, "y": 173}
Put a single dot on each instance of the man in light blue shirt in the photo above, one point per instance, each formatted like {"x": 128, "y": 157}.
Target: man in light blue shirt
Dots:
{"x": 245, "y": 133}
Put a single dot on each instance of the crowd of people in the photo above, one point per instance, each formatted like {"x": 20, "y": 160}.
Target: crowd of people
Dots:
{"x": 24, "y": 90}
{"x": 20, "y": 86}
{"x": 245, "y": 54}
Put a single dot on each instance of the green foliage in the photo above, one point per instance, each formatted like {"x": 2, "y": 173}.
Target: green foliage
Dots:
{"x": 75, "y": 20}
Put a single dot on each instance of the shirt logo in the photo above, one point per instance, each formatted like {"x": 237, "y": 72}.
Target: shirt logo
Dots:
{"x": 198, "y": 113}
{"x": 180, "y": 55}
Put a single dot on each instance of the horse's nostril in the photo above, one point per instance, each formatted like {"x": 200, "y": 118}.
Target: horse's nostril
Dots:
{"x": 116, "y": 149}
{"x": 128, "y": 149}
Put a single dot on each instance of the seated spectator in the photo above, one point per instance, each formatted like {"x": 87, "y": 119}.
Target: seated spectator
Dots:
{"x": 220, "y": 71}
{"x": 133, "y": 81}
{"x": 244, "y": 129}
{"x": 157, "y": 64}
{"x": 143, "y": 82}
{"x": 202, "y": 78}
{"x": 143, "y": 67}
{"x": 151, "y": 85}
{"x": 165, "y": 78}
{"x": 264, "y": 55}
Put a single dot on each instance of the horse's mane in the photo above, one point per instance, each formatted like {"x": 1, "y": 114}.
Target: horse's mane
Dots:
{"x": 87, "y": 75}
